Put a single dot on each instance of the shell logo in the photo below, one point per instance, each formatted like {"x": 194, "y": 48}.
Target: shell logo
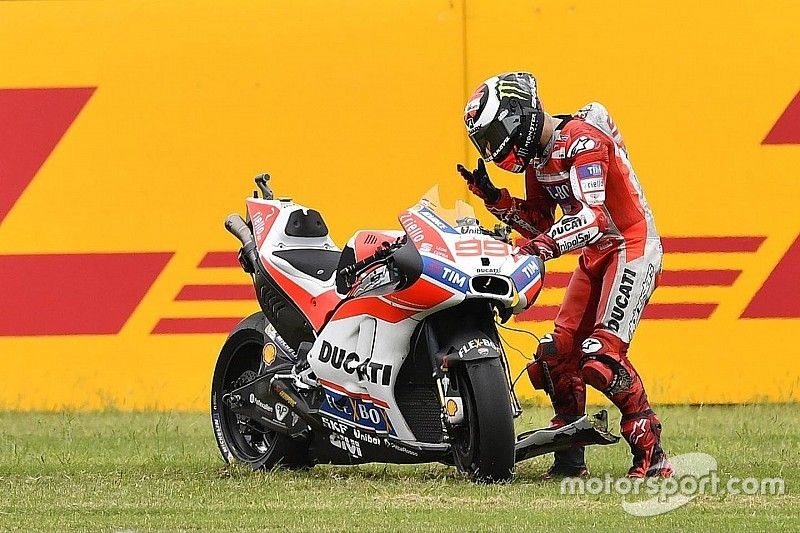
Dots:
{"x": 270, "y": 351}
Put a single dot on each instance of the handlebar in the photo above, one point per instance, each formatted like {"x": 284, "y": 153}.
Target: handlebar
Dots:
{"x": 349, "y": 273}
{"x": 501, "y": 232}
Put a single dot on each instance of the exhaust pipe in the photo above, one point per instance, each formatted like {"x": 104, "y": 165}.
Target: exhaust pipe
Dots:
{"x": 296, "y": 403}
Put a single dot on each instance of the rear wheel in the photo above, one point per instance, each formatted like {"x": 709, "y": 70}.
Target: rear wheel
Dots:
{"x": 483, "y": 445}
{"x": 239, "y": 438}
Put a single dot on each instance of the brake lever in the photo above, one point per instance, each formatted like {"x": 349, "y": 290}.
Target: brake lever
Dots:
{"x": 501, "y": 232}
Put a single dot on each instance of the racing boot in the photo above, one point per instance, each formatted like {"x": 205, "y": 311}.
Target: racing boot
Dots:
{"x": 642, "y": 432}
{"x": 567, "y": 463}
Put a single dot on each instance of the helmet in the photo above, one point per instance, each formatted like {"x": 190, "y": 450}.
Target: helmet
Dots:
{"x": 504, "y": 120}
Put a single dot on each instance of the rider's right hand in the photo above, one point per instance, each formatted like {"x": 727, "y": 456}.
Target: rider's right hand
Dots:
{"x": 479, "y": 183}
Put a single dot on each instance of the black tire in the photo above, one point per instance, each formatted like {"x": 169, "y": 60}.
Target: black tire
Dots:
{"x": 484, "y": 442}
{"x": 239, "y": 439}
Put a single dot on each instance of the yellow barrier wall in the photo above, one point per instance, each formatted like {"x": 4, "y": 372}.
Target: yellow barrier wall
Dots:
{"x": 132, "y": 128}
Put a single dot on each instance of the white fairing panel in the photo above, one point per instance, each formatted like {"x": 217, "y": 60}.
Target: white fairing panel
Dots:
{"x": 357, "y": 361}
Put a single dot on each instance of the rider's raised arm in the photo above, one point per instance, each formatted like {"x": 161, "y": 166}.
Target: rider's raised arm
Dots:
{"x": 530, "y": 216}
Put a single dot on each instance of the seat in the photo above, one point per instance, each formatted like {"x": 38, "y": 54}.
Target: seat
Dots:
{"x": 315, "y": 262}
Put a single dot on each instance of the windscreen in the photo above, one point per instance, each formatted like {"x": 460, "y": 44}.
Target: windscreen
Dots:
{"x": 458, "y": 213}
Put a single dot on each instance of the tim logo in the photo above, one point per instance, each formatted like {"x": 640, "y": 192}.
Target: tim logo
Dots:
{"x": 526, "y": 274}
{"x": 450, "y": 276}
{"x": 530, "y": 270}
{"x": 454, "y": 277}
{"x": 590, "y": 171}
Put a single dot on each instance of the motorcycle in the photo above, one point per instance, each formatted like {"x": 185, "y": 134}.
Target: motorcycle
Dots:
{"x": 384, "y": 351}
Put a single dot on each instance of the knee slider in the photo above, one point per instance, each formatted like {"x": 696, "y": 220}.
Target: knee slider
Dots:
{"x": 596, "y": 374}
{"x": 603, "y": 372}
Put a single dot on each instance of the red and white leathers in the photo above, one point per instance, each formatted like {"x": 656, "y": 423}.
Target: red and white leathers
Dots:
{"x": 585, "y": 170}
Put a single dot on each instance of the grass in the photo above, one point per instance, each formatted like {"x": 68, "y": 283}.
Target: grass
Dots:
{"x": 114, "y": 471}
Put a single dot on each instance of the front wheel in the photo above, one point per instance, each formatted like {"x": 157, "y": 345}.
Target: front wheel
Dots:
{"x": 483, "y": 445}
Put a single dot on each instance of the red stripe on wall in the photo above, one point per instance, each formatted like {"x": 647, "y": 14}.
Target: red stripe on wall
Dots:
{"x": 196, "y": 325}
{"x": 556, "y": 280}
{"x": 538, "y": 313}
{"x": 779, "y": 297}
{"x": 787, "y": 129}
{"x": 678, "y": 311}
{"x": 698, "y": 278}
{"x": 653, "y": 311}
{"x": 711, "y": 244}
{"x": 217, "y": 292}
{"x": 32, "y": 121}
{"x": 73, "y": 294}
{"x": 542, "y": 313}
{"x": 669, "y": 278}
{"x": 219, "y": 260}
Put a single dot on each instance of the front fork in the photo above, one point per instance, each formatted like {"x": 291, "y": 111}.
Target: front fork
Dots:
{"x": 516, "y": 408}
{"x": 466, "y": 333}
{"x": 451, "y": 401}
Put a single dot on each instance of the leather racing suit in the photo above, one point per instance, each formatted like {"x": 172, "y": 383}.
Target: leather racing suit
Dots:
{"x": 585, "y": 171}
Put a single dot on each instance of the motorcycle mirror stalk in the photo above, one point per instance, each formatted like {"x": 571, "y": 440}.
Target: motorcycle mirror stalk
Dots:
{"x": 261, "y": 182}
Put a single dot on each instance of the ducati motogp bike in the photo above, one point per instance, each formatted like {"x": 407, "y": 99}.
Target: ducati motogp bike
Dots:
{"x": 384, "y": 351}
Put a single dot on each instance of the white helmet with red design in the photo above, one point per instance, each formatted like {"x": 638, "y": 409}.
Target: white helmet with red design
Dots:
{"x": 504, "y": 120}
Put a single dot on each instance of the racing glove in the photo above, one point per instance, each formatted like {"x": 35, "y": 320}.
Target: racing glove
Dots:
{"x": 544, "y": 361}
{"x": 543, "y": 246}
{"x": 479, "y": 183}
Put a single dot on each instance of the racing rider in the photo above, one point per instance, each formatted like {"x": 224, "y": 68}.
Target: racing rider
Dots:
{"x": 580, "y": 164}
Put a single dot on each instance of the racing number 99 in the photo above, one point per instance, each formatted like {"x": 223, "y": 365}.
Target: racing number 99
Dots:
{"x": 475, "y": 247}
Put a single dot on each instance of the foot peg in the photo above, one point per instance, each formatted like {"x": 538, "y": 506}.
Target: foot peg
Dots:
{"x": 302, "y": 357}
{"x": 582, "y": 432}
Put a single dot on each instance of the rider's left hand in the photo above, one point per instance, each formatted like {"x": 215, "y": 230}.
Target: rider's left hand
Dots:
{"x": 479, "y": 183}
{"x": 543, "y": 246}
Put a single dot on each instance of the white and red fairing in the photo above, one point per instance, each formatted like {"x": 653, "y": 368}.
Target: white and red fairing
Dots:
{"x": 362, "y": 341}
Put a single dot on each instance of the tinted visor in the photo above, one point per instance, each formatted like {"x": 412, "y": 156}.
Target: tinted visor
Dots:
{"x": 495, "y": 140}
